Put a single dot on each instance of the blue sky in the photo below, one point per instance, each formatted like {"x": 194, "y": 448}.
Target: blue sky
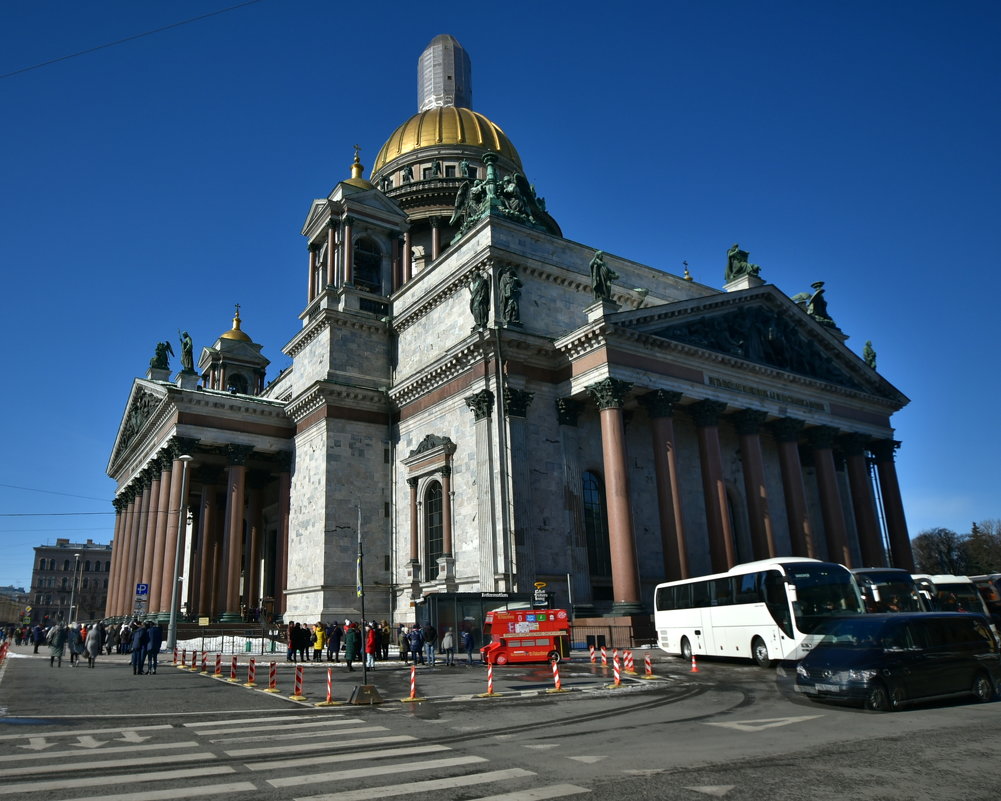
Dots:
{"x": 151, "y": 185}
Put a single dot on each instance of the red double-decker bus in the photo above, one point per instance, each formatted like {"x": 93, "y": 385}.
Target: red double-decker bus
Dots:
{"x": 526, "y": 635}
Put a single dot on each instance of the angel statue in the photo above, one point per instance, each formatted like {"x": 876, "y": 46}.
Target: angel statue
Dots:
{"x": 160, "y": 361}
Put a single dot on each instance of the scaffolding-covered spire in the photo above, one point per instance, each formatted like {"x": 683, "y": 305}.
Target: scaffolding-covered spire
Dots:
{"x": 444, "y": 75}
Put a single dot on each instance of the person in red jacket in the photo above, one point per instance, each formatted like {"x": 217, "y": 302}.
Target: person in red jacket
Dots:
{"x": 371, "y": 645}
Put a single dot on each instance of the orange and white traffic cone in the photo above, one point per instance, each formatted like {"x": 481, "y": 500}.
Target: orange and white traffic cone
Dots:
{"x": 695, "y": 667}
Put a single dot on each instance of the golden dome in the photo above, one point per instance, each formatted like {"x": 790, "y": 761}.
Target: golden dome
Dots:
{"x": 445, "y": 125}
{"x": 356, "y": 177}
{"x": 235, "y": 332}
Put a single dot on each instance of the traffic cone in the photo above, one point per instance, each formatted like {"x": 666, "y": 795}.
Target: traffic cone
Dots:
{"x": 695, "y": 667}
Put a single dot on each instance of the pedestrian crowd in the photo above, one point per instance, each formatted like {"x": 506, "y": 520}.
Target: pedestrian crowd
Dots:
{"x": 80, "y": 641}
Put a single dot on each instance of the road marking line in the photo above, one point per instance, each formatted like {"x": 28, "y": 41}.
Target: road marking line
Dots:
{"x": 241, "y": 721}
{"x": 285, "y": 726}
{"x": 316, "y": 760}
{"x": 176, "y": 792}
{"x": 718, "y": 790}
{"x": 270, "y": 750}
{"x": 106, "y": 779}
{"x": 764, "y": 723}
{"x": 589, "y": 760}
{"x": 370, "y": 770}
{"x": 538, "y": 794}
{"x": 131, "y": 749}
{"x": 78, "y": 732}
{"x": 407, "y": 788}
{"x": 86, "y": 762}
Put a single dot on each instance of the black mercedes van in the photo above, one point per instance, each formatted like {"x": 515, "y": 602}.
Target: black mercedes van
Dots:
{"x": 886, "y": 661}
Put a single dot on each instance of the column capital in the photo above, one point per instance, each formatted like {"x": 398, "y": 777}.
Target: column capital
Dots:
{"x": 567, "y": 410}
{"x": 445, "y": 471}
{"x": 609, "y": 393}
{"x": 333, "y": 224}
{"x": 349, "y": 220}
{"x": 660, "y": 402}
{"x": 435, "y": 222}
{"x": 237, "y": 455}
{"x": 481, "y": 403}
{"x": 884, "y": 449}
{"x": 854, "y": 444}
{"x": 313, "y": 247}
{"x": 821, "y": 437}
{"x": 412, "y": 483}
{"x": 517, "y": 401}
{"x": 119, "y": 503}
{"x": 748, "y": 421}
{"x": 707, "y": 412}
{"x": 787, "y": 429}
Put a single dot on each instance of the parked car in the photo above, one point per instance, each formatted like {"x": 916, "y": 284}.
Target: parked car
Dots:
{"x": 886, "y": 661}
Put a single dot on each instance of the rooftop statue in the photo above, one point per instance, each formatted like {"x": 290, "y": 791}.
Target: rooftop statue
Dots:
{"x": 479, "y": 300}
{"x": 187, "y": 357}
{"x": 601, "y": 277}
{"x": 869, "y": 354}
{"x": 160, "y": 360}
{"x": 815, "y": 304}
{"x": 737, "y": 265}
{"x": 510, "y": 292}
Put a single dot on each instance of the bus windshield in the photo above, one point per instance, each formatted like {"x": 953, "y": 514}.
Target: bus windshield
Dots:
{"x": 822, "y": 590}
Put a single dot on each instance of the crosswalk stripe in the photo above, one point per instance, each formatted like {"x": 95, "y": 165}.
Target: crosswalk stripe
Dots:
{"x": 537, "y": 793}
{"x": 78, "y": 732}
{"x": 323, "y": 758}
{"x": 285, "y": 727}
{"x": 372, "y": 770}
{"x": 132, "y": 749}
{"x": 242, "y": 721}
{"x": 91, "y": 763}
{"x": 175, "y": 792}
{"x": 109, "y": 780}
{"x": 387, "y": 791}
{"x": 270, "y": 750}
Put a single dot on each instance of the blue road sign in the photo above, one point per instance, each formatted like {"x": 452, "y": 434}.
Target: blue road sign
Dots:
{"x": 142, "y": 589}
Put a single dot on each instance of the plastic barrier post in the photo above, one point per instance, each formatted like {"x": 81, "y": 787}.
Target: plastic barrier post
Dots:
{"x": 218, "y": 664}
{"x": 648, "y": 667}
{"x": 490, "y": 683}
{"x": 251, "y": 673}
{"x": 232, "y": 670}
{"x": 557, "y": 686}
{"x": 205, "y": 662}
{"x": 330, "y": 691}
{"x": 272, "y": 678}
{"x": 174, "y": 661}
{"x": 591, "y": 649}
{"x": 413, "y": 687}
{"x": 193, "y": 667}
{"x": 604, "y": 657}
{"x": 297, "y": 687}
{"x": 184, "y": 659}
{"x": 630, "y": 665}
{"x": 616, "y": 674}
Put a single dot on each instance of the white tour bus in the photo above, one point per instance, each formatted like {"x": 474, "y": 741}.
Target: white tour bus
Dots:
{"x": 760, "y": 610}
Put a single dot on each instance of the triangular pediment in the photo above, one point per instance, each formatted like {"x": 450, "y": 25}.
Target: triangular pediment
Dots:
{"x": 144, "y": 401}
{"x": 357, "y": 201}
{"x": 764, "y": 327}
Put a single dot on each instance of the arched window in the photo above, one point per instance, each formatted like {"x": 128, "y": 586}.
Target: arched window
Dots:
{"x": 86, "y": 581}
{"x": 368, "y": 265}
{"x": 599, "y": 558}
{"x": 97, "y": 567}
{"x": 66, "y": 564}
{"x": 52, "y": 564}
{"x": 41, "y": 564}
{"x": 107, "y": 567}
{"x": 86, "y": 566}
{"x": 65, "y": 583}
{"x": 237, "y": 383}
{"x": 433, "y": 530}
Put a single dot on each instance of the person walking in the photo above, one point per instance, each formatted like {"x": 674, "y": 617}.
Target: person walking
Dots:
{"x": 448, "y": 647}
{"x": 56, "y": 640}
{"x": 416, "y": 644}
{"x": 467, "y": 645}
{"x": 155, "y": 635}
{"x": 111, "y": 641}
{"x": 140, "y": 639}
{"x": 352, "y": 643}
{"x": 37, "y": 636}
{"x": 74, "y": 643}
{"x": 92, "y": 645}
{"x": 371, "y": 645}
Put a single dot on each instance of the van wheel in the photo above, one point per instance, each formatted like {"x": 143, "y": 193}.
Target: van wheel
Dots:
{"x": 983, "y": 688}
{"x": 554, "y": 656}
{"x": 877, "y": 698}
{"x": 686, "y": 649}
{"x": 759, "y": 651}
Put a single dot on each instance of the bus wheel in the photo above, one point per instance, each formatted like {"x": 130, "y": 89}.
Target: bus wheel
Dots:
{"x": 554, "y": 656}
{"x": 760, "y": 653}
{"x": 686, "y": 649}
{"x": 500, "y": 659}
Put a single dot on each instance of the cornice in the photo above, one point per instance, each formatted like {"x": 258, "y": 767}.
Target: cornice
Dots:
{"x": 446, "y": 369}
{"x": 324, "y": 318}
{"x": 327, "y": 393}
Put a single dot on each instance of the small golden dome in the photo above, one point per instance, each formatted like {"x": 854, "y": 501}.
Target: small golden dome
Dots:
{"x": 235, "y": 332}
{"x": 356, "y": 179}
{"x": 446, "y": 125}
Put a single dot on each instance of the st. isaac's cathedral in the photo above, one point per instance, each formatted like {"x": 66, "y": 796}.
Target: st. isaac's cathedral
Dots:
{"x": 483, "y": 405}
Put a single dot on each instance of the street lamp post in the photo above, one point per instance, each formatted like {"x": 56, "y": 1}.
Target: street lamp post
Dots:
{"x": 182, "y": 519}
{"x": 76, "y": 564}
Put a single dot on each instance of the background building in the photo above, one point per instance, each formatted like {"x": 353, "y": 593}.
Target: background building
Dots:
{"x": 69, "y": 581}
{"x": 481, "y": 405}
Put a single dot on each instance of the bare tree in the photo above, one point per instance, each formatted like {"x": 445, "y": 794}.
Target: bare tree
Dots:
{"x": 939, "y": 550}
{"x": 982, "y": 547}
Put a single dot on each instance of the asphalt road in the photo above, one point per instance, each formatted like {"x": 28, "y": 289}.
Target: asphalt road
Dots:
{"x": 729, "y": 731}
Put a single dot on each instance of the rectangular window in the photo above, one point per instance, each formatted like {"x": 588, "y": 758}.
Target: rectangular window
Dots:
{"x": 426, "y": 173}
{"x": 449, "y": 170}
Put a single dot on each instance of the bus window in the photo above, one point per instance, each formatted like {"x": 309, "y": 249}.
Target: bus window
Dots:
{"x": 776, "y": 601}
{"x": 722, "y": 592}
{"x": 700, "y": 594}
{"x": 683, "y": 596}
{"x": 748, "y": 589}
